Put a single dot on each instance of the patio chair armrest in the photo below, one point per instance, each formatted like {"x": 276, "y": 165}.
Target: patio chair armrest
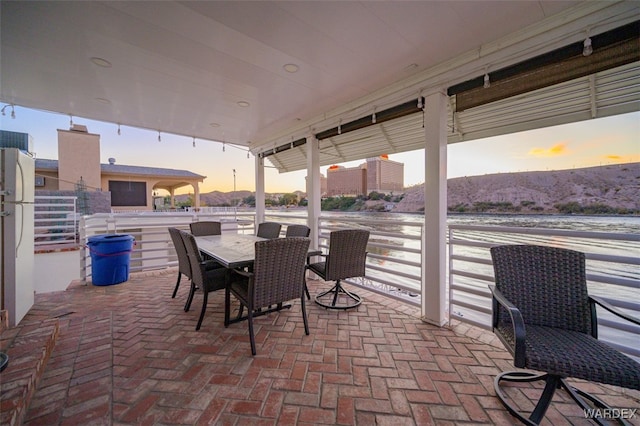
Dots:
{"x": 609, "y": 307}
{"x": 517, "y": 321}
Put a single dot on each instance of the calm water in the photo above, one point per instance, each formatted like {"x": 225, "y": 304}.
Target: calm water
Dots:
{"x": 398, "y": 223}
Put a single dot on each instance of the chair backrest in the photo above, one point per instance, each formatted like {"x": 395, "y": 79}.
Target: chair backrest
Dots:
{"x": 268, "y": 230}
{"x": 297, "y": 231}
{"x": 183, "y": 260}
{"x": 195, "y": 259}
{"x": 200, "y": 229}
{"x": 547, "y": 284}
{"x": 278, "y": 270}
{"x": 347, "y": 254}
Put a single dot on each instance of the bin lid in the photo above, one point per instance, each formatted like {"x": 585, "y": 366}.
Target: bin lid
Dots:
{"x": 110, "y": 238}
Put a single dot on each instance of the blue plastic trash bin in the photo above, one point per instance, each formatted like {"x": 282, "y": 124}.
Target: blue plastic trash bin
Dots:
{"x": 110, "y": 255}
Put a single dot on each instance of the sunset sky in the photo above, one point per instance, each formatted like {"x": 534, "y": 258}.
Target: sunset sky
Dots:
{"x": 609, "y": 140}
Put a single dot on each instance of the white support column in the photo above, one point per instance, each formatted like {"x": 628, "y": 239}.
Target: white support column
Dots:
{"x": 172, "y": 194}
{"x": 196, "y": 195}
{"x": 434, "y": 250}
{"x": 259, "y": 190}
{"x": 313, "y": 188}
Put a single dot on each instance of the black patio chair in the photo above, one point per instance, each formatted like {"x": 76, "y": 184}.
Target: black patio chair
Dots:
{"x": 269, "y": 230}
{"x": 277, "y": 277}
{"x": 184, "y": 268}
{"x": 544, "y": 316}
{"x": 200, "y": 229}
{"x": 202, "y": 275}
{"x": 297, "y": 231}
{"x": 346, "y": 259}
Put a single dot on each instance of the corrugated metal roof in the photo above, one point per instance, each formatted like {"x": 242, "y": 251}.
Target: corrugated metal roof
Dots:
{"x": 606, "y": 93}
{"x": 121, "y": 169}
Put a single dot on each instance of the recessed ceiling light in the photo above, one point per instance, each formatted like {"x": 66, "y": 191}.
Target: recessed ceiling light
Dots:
{"x": 291, "y": 68}
{"x": 103, "y": 101}
{"x": 214, "y": 124}
{"x": 101, "y": 62}
{"x": 243, "y": 104}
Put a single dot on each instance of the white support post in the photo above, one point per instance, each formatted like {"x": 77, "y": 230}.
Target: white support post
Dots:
{"x": 259, "y": 190}
{"x": 196, "y": 196}
{"x": 434, "y": 254}
{"x": 313, "y": 188}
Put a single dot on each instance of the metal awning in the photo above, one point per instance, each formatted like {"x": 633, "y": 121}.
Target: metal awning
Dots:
{"x": 610, "y": 92}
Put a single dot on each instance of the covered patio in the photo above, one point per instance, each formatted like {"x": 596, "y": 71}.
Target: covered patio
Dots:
{"x": 128, "y": 354}
{"x": 300, "y": 85}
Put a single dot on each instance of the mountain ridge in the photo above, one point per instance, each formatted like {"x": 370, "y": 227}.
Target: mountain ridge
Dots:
{"x": 616, "y": 186}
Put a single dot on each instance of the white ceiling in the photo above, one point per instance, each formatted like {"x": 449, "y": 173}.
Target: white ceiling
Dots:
{"x": 177, "y": 67}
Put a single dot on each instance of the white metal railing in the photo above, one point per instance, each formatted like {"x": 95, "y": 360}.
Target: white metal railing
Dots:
{"x": 153, "y": 248}
{"x": 394, "y": 262}
{"x": 613, "y": 273}
{"x": 394, "y": 265}
{"x": 55, "y": 220}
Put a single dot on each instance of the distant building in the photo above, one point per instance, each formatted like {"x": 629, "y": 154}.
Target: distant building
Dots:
{"x": 384, "y": 175}
{"x": 350, "y": 181}
{"x": 131, "y": 187}
{"x": 377, "y": 174}
{"x": 323, "y": 185}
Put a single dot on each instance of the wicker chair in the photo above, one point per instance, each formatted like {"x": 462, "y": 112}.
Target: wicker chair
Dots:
{"x": 184, "y": 268}
{"x": 545, "y": 318}
{"x": 297, "y": 231}
{"x": 277, "y": 277}
{"x": 269, "y": 230}
{"x": 346, "y": 259}
{"x": 201, "y": 275}
{"x": 200, "y": 229}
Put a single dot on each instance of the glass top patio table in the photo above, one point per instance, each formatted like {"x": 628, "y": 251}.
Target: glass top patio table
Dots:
{"x": 230, "y": 250}
{"x": 233, "y": 250}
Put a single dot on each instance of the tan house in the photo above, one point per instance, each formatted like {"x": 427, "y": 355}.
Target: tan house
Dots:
{"x": 131, "y": 187}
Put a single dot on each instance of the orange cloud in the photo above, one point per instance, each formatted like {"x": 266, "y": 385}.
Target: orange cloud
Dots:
{"x": 555, "y": 150}
{"x": 614, "y": 157}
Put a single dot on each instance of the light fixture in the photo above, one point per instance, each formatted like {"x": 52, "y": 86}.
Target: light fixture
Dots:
{"x": 243, "y": 104}
{"x": 291, "y": 68}
{"x": 214, "y": 124}
{"x": 101, "y": 62}
{"x": 159, "y": 137}
{"x": 13, "y": 111}
{"x": 487, "y": 82}
{"x": 70, "y": 121}
{"x": 340, "y": 127}
{"x": 373, "y": 116}
{"x": 119, "y": 129}
{"x": 194, "y": 141}
{"x": 420, "y": 102}
{"x": 587, "y": 48}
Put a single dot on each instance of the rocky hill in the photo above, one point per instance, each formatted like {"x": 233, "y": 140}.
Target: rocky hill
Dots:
{"x": 615, "y": 186}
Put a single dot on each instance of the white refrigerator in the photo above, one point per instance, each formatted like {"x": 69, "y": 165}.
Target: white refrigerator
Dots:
{"x": 16, "y": 232}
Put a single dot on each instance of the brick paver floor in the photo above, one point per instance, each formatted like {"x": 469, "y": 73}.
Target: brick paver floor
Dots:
{"x": 129, "y": 354}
